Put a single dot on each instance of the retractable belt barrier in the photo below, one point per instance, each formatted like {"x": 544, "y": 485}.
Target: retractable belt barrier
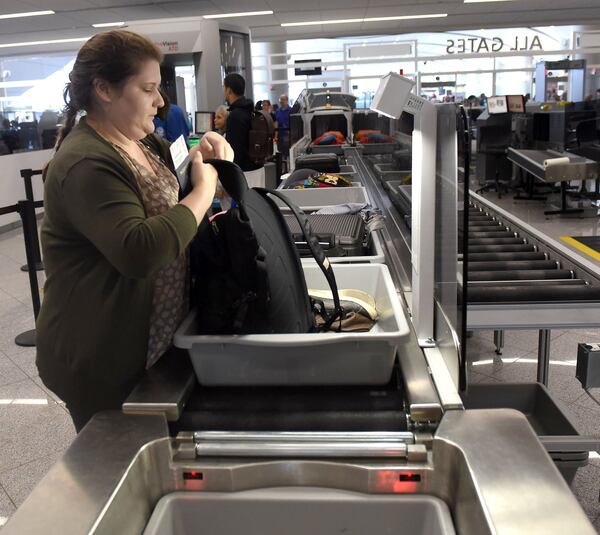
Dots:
{"x": 26, "y": 174}
{"x": 26, "y": 210}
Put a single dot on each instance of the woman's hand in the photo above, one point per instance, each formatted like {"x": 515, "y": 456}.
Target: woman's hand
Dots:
{"x": 204, "y": 176}
{"x": 213, "y": 145}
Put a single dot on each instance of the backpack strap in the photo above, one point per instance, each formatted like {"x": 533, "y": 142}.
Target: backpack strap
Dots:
{"x": 316, "y": 251}
{"x": 232, "y": 178}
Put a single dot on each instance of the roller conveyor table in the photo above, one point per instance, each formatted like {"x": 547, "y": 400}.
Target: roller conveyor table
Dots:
{"x": 553, "y": 166}
{"x": 525, "y": 294}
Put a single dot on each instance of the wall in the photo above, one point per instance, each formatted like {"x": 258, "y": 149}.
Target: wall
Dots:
{"x": 12, "y": 189}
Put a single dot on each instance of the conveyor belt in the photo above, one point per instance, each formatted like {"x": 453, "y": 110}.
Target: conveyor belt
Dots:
{"x": 504, "y": 268}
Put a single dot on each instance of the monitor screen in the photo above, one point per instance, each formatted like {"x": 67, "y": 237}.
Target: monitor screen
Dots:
{"x": 516, "y": 103}
{"x": 300, "y": 70}
{"x": 497, "y": 105}
{"x": 204, "y": 121}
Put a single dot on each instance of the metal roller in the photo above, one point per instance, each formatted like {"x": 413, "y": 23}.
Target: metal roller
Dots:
{"x": 516, "y": 265}
{"x": 529, "y": 274}
{"x": 490, "y": 228}
{"x": 510, "y": 256}
{"x": 511, "y": 294}
{"x": 483, "y": 223}
{"x": 505, "y": 234}
{"x": 495, "y": 241}
{"x": 547, "y": 282}
{"x": 508, "y": 248}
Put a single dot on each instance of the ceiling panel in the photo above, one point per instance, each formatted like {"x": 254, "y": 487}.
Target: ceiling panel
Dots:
{"x": 189, "y": 9}
{"x": 56, "y": 5}
{"x": 82, "y": 13}
{"x": 235, "y": 6}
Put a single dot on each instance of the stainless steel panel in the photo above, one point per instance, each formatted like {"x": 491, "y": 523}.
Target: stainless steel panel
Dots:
{"x": 165, "y": 387}
{"x": 493, "y": 471}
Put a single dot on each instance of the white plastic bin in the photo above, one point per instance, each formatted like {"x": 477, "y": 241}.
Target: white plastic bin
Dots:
{"x": 311, "y": 358}
{"x": 298, "y": 511}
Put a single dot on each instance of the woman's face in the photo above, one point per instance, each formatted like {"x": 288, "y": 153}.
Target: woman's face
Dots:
{"x": 132, "y": 108}
{"x": 220, "y": 120}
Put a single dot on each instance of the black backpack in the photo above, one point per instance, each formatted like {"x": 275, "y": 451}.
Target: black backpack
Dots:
{"x": 246, "y": 270}
{"x": 260, "y": 137}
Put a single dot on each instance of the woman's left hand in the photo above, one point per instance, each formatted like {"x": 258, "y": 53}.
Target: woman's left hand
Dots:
{"x": 213, "y": 145}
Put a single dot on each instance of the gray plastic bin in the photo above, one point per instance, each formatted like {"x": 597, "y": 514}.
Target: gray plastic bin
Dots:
{"x": 298, "y": 511}
{"x": 311, "y": 358}
{"x": 568, "y": 449}
{"x": 375, "y": 254}
{"x": 311, "y": 199}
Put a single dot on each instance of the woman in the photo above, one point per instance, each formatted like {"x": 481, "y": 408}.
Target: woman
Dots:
{"x": 221, "y": 114}
{"x": 115, "y": 233}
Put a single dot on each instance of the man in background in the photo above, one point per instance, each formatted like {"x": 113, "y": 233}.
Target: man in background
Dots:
{"x": 239, "y": 120}
{"x": 282, "y": 117}
{"x": 173, "y": 123}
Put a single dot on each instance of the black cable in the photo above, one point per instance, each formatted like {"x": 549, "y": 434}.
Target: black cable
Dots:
{"x": 597, "y": 402}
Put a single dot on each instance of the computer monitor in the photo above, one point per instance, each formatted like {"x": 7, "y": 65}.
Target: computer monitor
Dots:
{"x": 497, "y": 104}
{"x": 204, "y": 121}
{"x": 515, "y": 103}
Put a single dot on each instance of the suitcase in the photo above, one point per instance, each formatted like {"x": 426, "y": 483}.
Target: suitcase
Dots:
{"x": 326, "y": 162}
{"x": 339, "y": 235}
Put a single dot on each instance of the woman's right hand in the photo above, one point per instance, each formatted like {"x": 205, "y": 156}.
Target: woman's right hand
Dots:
{"x": 204, "y": 176}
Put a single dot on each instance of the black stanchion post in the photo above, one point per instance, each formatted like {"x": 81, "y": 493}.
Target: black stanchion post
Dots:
{"x": 27, "y": 212}
{"x": 26, "y": 174}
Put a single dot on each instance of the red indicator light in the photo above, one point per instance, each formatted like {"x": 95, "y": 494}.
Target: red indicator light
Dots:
{"x": 193, "y": 476}
{"x": 410, "y": 477}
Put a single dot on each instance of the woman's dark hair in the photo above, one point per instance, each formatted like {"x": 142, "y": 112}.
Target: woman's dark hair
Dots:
{"x": 112, "y": 56}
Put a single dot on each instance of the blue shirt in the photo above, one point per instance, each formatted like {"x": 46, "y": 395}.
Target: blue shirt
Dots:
{"x": 175, "y": 125}
{"x": 283, "y": 117}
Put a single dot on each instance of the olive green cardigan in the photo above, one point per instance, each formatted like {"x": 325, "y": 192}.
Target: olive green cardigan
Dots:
{"x": 100, "y": 253}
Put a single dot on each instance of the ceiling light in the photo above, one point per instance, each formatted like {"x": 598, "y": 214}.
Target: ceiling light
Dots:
{"x": 27, "y": 14}
{"x": 49, "y": 42}
{"x": 108, "y": 24}
{"x": 245, "y": 14}
{"x": 480, "y": 1}
{"x": 369, "y": 19}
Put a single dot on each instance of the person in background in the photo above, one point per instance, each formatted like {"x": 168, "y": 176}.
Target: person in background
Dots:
{"x": 221, "y": 115}
{"x": 115, "y": 233}
{"x": 267, "y": 107}
{"x": 482, "y": 100}
{"x": 172, "y": 122}
{"x": 239, "y": 120}
{"x": 282, "y": 123}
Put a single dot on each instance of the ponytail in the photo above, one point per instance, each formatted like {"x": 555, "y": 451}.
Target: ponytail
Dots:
{"x": 70, "y": 116}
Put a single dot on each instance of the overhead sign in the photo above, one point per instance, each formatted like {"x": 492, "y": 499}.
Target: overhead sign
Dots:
{"x": 485, "y": 45}
{"x": 385, "y": 50}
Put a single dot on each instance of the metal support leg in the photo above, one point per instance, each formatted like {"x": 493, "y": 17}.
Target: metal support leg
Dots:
{"x": 499, "y": 341}
{"x": 543, "y": 365}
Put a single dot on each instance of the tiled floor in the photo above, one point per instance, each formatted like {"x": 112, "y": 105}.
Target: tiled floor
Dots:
{"x": 36, "y": 429}
{"x": 35, "y": 426}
